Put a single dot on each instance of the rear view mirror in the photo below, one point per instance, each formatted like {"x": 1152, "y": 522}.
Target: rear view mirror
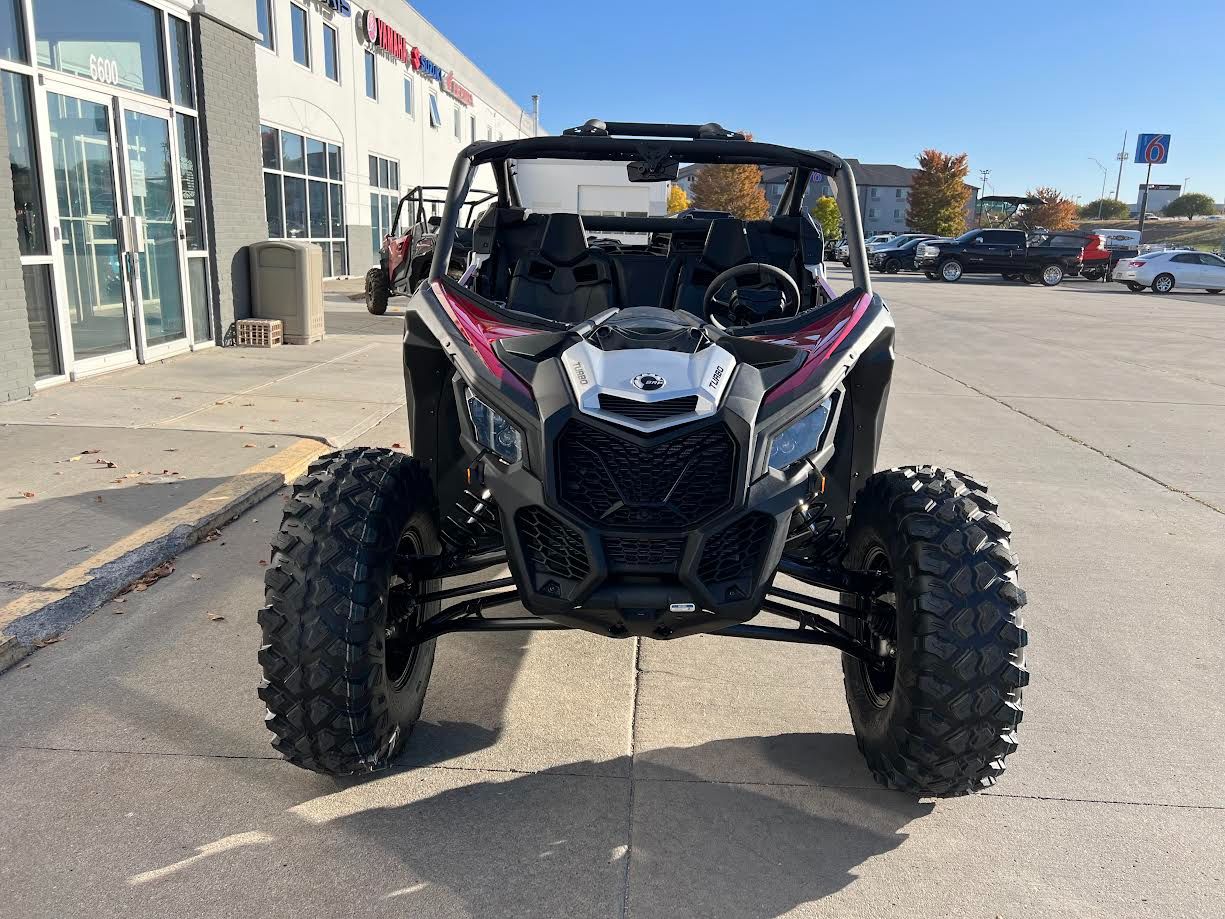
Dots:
{"x": 435, "y": 221}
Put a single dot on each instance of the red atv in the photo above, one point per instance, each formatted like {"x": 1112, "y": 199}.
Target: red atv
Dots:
{"x": 406, "y": 253}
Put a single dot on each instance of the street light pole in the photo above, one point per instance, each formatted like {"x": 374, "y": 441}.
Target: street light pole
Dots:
{"x": 1102, "y": 198}
{"x": 1121, "y": 156}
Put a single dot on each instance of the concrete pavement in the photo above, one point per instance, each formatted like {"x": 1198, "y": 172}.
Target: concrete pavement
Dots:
{"x": 559, "y": 774}
{"x": 106, "y": 478}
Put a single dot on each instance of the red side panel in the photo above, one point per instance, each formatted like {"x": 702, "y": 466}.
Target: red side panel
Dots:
{"x": 397, "y": 251}
{"x": 481, "y": 329}
{"x": 819, "y": 340}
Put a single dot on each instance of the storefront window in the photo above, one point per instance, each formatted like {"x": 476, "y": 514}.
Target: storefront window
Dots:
{"x": 27, "y": 189}
{"x": 292, "y": 153}
{"x": 189, "y": 178}
{"x": 300, "y": 208}
{"x": 12, "y": 33}
{"x": 180, "y": 62}
{"x": 112, "y": 42}
{"x": 40, "y": 314}
{"x": 272, "y": 204}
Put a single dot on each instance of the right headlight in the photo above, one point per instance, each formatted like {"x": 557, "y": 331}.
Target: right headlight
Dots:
{"x": 800, "y": 438}
{"x": 494, "y": 431}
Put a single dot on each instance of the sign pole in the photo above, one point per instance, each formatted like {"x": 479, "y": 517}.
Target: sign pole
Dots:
{"x": 1148, "y": 178}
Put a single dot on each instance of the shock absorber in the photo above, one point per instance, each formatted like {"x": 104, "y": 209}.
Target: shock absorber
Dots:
{"x": 473, "y": 523}
{"x": 814, "y": 536}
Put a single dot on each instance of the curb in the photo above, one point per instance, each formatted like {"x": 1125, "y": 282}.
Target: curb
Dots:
{"x": 67, "y": 599}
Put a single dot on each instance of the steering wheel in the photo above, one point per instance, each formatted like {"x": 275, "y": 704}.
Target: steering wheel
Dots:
{"x": 766, "y": 274}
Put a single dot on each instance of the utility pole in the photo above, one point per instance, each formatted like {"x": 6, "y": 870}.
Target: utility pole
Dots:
{"x": 983, "y": 173}
{"x": 535, "y": 114}
{"x": 1121, "y": 156}
{"x": 1102, "y": 197}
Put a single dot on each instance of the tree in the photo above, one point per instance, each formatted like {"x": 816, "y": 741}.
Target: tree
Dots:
{"x": 1190, "y": 206}
{"x": 1054, "y": 212}
{"x": 677, "y": 199}
{"x": 938, "y": 194}
{"x": 825, "y": 213}
{"x": 1111, "y": 208}
{"x": 732, "y": 188}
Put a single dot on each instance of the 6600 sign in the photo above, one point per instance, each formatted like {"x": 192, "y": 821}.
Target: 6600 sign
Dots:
{"x": 104, "y": 70}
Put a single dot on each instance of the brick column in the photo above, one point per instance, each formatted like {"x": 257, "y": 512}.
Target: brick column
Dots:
{"x": 16, "y": 357}
{"x": 233, "y": 176}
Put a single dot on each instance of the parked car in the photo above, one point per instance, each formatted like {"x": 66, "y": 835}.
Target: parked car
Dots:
{"x": 872, "y": 242}
{"x": 1097, "y": 259}
{"x": 897, "y": 256}
{"x": 1004, "y": 252}
{"x": 1163, "y": 271}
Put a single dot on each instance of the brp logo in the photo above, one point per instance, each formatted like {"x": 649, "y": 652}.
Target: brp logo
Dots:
{"x": 649, "y": 382}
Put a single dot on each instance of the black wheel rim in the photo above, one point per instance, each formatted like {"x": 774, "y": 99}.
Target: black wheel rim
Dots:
{"x": 880, "y": 624}
{"x": 404, "y": 614}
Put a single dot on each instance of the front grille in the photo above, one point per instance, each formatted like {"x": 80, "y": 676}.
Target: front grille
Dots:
{"x": 737, "y": 550}
{"x": 643, "y": 553}
{"x": 550, "y": 546}
{"x": 672, "y": 485}
{"x": 649, "y": 411}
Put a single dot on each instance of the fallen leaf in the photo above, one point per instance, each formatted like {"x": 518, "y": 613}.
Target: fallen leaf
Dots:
{"x": 27, "y": 494}
{"x": 74, "y": 459}
{"x": 242, "y": 427}
{"x": 89, "y": 452}
{"x": 396, "y": 446}
{"x": 98, "y": 498}
{"x": 149, "y": 578}
{"x": 216, "y": 617}
{"x": 248, "y": 405}
{"x": 119, "y": 600}
{"x": 171, "y": 450}
{"x": 43, "y": 642}
{"x": 195, "y": 577}
{"x": 262, "y": 563}
{"x": 116, "y": 612}
{"x": 176, "y": 398}
{"x": 211, "y": 535}
{"x": 248, "y": 445}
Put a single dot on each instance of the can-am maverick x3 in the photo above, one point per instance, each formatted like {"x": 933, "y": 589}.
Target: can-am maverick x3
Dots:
{"x": 647, "y": 436}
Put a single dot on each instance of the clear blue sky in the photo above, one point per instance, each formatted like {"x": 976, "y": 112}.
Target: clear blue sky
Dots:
{"x": 1029, "y": 88}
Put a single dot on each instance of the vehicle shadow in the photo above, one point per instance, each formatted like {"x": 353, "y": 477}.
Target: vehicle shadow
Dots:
{"x": 557, "y": 843}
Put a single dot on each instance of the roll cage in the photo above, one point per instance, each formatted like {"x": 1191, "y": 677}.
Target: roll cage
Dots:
{"x": 656, "y": 145}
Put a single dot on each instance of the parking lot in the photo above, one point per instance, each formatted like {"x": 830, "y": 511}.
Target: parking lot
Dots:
{"x": 563, "y": 775}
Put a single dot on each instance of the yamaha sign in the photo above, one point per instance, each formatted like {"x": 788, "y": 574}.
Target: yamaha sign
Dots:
{"x": 383, "y": 36}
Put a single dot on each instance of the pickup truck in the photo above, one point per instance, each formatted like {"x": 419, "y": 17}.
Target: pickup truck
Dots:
{"x": 1002, "y": 252}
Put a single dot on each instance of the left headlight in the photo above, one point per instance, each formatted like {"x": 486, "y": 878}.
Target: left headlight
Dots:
{"x": 494, "y": 431}
{"x": 800, "y": 438}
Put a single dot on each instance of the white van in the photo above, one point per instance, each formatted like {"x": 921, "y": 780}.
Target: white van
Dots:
{"x": 1120, "y": 239}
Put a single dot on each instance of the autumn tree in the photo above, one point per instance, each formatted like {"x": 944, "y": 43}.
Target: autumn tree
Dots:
{"x": 677, "y": 199}
{"x": 1190, "y": 206}
{"x": 938, "y": 194}
{"x": 1052, "y": 212}
{"x": 732, "y": 188}
{"x": 1111, "y": 209}
{"x": 825, "y": 213}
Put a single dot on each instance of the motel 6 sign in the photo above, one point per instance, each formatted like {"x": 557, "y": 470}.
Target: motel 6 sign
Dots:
{"x": 1152, "y": 149}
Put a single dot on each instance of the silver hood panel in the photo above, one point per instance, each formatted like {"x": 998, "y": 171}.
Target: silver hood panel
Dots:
{"x": 648, "y": 375}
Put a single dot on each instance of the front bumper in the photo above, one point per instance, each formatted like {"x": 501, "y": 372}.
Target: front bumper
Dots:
{"x": 604, "y": 553}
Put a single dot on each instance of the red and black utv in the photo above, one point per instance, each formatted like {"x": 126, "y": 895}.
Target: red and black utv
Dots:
{"x": 406, "y": 253}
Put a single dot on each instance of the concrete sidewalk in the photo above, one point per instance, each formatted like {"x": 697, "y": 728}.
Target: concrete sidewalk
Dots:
{"x": 105, "y": 478}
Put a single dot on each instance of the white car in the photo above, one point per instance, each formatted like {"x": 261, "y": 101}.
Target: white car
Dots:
{"x": 1163, "y": 271}
{"x": 843, "y": 252}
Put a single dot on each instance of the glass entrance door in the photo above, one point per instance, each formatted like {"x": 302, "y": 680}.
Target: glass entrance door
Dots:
{"x": 153, "y": 243}
{"x": 87, "y": 192}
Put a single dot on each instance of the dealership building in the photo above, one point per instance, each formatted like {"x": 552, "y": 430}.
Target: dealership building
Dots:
{"x": 150, "y": 142}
